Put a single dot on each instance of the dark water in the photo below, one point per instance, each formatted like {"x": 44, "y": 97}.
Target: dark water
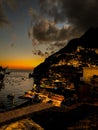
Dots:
{"x": 17, "y": 83}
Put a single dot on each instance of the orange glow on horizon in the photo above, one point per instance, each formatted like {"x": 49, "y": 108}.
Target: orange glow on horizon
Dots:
{"x": 21, "y": 63}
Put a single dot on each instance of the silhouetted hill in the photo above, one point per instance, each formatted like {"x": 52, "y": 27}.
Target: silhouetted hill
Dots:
{"x": 88, "y": 40}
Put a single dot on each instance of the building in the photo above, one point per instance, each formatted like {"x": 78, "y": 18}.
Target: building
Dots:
{"x": 89, "y": 72}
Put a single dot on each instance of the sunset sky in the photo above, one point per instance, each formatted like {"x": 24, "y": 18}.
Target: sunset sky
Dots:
{"x": 31, "y": 30}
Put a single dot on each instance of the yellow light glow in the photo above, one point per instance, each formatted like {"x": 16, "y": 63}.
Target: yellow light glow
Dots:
{"x": 21, "y": 63}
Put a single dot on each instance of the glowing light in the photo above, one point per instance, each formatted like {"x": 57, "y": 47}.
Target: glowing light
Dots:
{"x": 21, "y": 63}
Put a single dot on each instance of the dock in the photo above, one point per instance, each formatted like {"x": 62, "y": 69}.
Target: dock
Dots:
{"x": 14, "y": 115}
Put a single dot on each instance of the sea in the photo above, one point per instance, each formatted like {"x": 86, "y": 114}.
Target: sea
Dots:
{"x": 16, "y": 83}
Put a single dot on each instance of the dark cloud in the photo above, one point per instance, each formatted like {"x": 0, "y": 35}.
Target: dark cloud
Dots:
{"x": 3, "y": 17}
{"x": 48, "y": 31}
{"x": 12, "y": 4}
{"x": 45, "y": 31}
{"x": 60, "y": 44}
{"x": 79, "y": 13}
{"x": 39, "y": 53}
{"x": 78, "y": 16}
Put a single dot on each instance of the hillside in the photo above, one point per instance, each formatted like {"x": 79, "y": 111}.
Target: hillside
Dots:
{"x": 81, "y": 49}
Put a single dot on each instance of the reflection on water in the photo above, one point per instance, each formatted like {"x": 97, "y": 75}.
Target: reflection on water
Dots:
{"x": 16, "y": 83}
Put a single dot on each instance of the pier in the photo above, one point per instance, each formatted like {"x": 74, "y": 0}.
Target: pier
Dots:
{"x": 20, "y": 113}
{"x": 14, "y": 115}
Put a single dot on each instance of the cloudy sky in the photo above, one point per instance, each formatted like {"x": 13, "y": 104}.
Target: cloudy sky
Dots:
{"x": 31, "y": 30}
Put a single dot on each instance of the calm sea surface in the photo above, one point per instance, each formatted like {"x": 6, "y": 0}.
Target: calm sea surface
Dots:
{"x": 17, "y": 83}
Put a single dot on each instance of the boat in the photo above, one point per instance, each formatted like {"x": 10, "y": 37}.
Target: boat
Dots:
{"x": 2, "y": 73}
{"x": 48, "y": 97}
